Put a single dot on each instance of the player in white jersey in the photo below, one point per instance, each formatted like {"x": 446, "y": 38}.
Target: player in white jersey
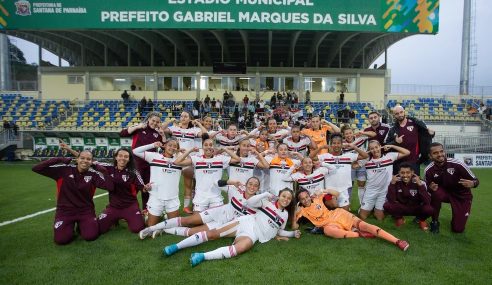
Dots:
{"x": 299, "y": 143}
{"x": 250, "y": 160}
{"x": 230, "y": 138}
{"x": 280, "y": 166}
{"x": 207, "y": 123}
{"x": 360, "y": 140}
{"x": 185, "y": 132}
{"x": 342, "y": 178}
{"x": 379, "y": 168}
{"x": 164, "y": 178}
{"x": 266, "y": 224}
{"x": 238, "y": 195}
{"x": 208, "y": 169}
{"x": 275, "y": 134}
{"x": 309, "y": 178}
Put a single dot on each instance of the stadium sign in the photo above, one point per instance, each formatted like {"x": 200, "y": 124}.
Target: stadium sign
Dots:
{"x": 402, "y": 16}
{"x": 480, "y": 160}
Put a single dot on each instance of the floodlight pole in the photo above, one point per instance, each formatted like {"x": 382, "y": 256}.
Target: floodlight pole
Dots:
{"x": 465, "y": 50}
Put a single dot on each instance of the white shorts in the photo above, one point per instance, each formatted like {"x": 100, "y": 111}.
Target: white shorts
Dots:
{"x": 201, "y": 204}
{"x": 373, "y": 199}
{"x": 246, "y": 228}
{"x": 360, "y": 174}
{"x": 215, "y": 217}
{"x": 343, "y": 198}
{"x": 157, "y": 206}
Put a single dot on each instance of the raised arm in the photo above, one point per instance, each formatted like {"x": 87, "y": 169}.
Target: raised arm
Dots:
{"x": 334, "y": 127}
{"x": 402, "y": 152}
{"x": 259, "y": 200}
{"x": 48, "y": 167}
{"x": 141, "y": 151}
{"x": 130, "y": 130}
{"x": 64, "y": 146}
{"x": 234, "y": 157}
{"x": 262, "y": 163}
{"x": 184, "y": 159}
{"x": 361, "y": 154}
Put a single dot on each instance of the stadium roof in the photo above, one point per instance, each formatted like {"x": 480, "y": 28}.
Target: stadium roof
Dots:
{"x": 266, "y": 33}
{"x": 203, "y": 48}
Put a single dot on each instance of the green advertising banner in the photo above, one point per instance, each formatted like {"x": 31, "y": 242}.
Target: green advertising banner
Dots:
{"x": 404, "y": 16}
{"x": 102, "y": 144}
{"x": 90, "y": 143}
{"x": 39, "y": 142}
{"x": 113, "y": 143}
{"x": 77, "y": 143}
{"x": 126, "y": 142}
{"x": 52, "y": 143}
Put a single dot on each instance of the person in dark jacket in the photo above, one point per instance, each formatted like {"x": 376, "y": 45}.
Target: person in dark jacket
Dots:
{"x": 412, "y": 134}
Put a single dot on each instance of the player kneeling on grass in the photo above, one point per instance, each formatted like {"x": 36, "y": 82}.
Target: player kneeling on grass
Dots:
{"x": 450, "y": 181}
{"x": 268, "y": 223}
{"x": 212, "y": 218}
{"x": 408, "y": 196}
{"x": 338, "y": 223}
{"x": 76, "y": 185}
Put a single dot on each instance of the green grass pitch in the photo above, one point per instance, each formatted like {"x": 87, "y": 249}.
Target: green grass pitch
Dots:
{"x": 29, "y": 256}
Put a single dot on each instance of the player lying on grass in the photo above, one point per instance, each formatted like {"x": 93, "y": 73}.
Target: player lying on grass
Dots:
{"x": 76, "y": 184}
{"x": 268, "y": 223}
{"x": 212, "y": 218}
{"x": 338, "y": 223}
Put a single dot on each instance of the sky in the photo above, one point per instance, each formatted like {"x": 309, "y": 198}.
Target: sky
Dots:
{"x": 418, "y": 59}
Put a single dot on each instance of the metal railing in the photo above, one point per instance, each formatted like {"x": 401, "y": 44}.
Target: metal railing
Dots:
{"x": 465, "y": 143}
{"x": 438, "y": 90}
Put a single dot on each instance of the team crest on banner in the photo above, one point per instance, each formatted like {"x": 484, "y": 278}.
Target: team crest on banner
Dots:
{"x": 124, "y": 177}
{"x": 413, "y": 192}
{"x": 58, "y": 224}
{"x": 23, "y": 8}
{"x": 87, "y": 178}
{"x": 451, "y": 171}
{"x": 410, "y": 128}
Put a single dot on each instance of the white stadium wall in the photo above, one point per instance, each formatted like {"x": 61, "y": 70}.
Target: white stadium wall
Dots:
{"x": 56, "y": 86}
{"x": 372, "y": 90}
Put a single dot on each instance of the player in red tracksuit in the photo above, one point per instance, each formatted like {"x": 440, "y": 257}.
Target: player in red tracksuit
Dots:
{"x": 76, "y": 185}
{"x": 449, "y": 181}
{"x": 123, "y": 202}
{"x": 407, "y": 196}
{"x": 144, "y": 133}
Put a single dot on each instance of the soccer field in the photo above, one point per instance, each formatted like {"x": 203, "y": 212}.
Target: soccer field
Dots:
{"x": 29, "y": 256}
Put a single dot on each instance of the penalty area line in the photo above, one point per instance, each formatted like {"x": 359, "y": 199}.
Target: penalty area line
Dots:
{"x": 38, "y": 213}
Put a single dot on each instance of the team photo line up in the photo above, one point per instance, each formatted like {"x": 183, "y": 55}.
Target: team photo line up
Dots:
{"x": 312, "y": 156}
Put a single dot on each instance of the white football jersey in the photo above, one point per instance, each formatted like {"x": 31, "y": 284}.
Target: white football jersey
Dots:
{"x": 185, "y": 137}
{"x": 243, "y": 170}
{"x": 302, "y": 146}
{"x": 224, "y": 141}
{"x": 342, "y": 178}
{"x": 269, "y": 220}
{"x": 379, "y": 171}
{"x": 278, "y": 172}
{"x": 164, "y": 174}
{"x": 207, "y": 172}
{"x": 314, "y": 181}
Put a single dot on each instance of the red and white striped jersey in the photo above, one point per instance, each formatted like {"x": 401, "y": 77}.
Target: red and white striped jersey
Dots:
{"x": 302, "y": 146}
{"x": 379, "y": 171}
{"x": 185, "y": 137}
{"x": 243, "y": 170}
{"x": 342, "y": 178}
{"x": 207, "y": 172}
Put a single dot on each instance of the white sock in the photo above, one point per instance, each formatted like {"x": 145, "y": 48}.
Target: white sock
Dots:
{"x": 360, "y": 193}
{"x": 193, "y": 240}
{"x": 178, "y": 231}
{"x": 221, "y": 253}
{"x": 186, "y": 202}
{"x": 167, "y": 224}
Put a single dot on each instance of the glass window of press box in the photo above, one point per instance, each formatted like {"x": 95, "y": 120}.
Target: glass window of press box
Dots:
{"x": 177, "y": 83}
{"x": 121, "y": 82}
{"x": 330, "y": 84}
{"x": 271, "y": 83}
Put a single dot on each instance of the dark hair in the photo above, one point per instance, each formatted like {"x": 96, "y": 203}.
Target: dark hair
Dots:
{"x": 374, "y": 112}
{"x": 290, "y": 209}
{"x": 345, "y": 127}
{"x": 131, "y": 162}
{"x": 278, "y": 145}
{"x": 434, "y": 144}
{"x": 405, "y": 165}
{"x": 301, "y": 190}
{"x": 336, "y": 135}
{"x": 254, "y": 177}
